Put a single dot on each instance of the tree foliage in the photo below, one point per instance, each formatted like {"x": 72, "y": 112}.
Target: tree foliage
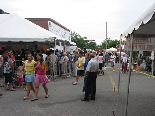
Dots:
{"x": 82, "y": 42}
{"x": 110, "y": 43}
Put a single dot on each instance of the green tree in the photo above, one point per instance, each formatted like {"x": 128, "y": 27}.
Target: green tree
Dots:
{"x": 82, "y": 42}
{"x": 110, "y": 43}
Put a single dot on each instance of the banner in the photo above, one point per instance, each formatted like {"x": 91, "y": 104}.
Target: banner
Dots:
{"x": 140, "y": 44}
{"x": 59, "y": 31}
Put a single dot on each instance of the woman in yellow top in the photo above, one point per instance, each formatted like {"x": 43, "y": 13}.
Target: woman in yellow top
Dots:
{"x": 30, "y": 74}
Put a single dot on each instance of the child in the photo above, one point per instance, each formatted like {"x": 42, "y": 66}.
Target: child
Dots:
{"x": 7, "y": 73}
{"x": 138, "y": 66}
{"x": 20, "y": 76}
{"x": 135, "y": 65}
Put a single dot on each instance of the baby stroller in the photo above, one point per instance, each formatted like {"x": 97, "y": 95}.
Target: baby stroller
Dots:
{"x": 148, "y": 66}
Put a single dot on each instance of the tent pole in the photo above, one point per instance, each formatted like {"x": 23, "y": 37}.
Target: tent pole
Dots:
{"x": 119, "y": 65}
{"x": 152, "y": 67}
{"x": 129, "y": 75}
{"x": 54, "y": 44}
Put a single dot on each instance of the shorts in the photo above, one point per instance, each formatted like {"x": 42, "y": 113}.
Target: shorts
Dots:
{"x": 112, "y": 64}
{"x": 69, "y": 65}
{"x": 80, "y": 72}
{"x": 51, "y": 66}
{"x": 64, "y": 66}
{"x": 8, "y": 78}
{"x": 100, "y": 66}
{"x": 29, "y": 78}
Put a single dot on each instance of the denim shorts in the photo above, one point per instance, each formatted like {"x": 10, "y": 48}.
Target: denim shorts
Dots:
{"x": 30, "y": 78}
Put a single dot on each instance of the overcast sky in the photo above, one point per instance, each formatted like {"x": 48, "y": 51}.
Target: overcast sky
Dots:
{"x": 86, "y": 17}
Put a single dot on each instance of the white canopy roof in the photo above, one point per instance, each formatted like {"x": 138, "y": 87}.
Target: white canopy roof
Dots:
{"x": 112, "y": 50}
{"x": 144, "y": 26}
{"x": 14, "y": 28}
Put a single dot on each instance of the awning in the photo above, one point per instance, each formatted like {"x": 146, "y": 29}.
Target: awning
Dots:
{"x": 144, "y": 26}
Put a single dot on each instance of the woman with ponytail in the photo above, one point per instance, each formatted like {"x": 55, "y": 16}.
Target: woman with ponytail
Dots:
{"x": 41, "y": 77}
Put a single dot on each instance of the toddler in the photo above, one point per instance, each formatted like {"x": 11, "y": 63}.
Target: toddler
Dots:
{"x": 20, "y": 76}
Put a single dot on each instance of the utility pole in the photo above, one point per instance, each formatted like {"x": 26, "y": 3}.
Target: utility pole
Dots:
{"x": 106, "y": 35}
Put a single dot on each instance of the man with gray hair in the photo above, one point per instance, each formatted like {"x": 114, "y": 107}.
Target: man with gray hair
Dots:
{"x": 91, "y": 75}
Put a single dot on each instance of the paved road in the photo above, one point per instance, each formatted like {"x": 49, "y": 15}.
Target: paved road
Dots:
{"x": 65, "y": 98}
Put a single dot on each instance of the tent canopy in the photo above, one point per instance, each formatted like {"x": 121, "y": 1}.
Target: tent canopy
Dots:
{"x": 111, "y": 50}
{"x": 144, "y": 26}
{"x": 14, "y": 28}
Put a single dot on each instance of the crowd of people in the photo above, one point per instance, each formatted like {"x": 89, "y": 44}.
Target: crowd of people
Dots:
{"x": 32, "y": 67}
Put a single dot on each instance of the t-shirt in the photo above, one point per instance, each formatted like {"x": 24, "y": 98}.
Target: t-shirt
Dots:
{"x": 1, "y": 61}
{"x": 100, "y": 59}
{"x": 53, "y": 58}
{"x": 80, "y": 62}
{"x": 76, "y": 58}
{"x": 93, "y": 65}
{"x": 69, "y": 57}
{"x": 5, "y": 70}
{"x": 125, "y": 59}
{"x": 44, "y": 56}
{"x": 58, "y": 55}
{"x": 30, "y": 67}
{"x": 64, "y": 59}
{"x": 112, "y": 58}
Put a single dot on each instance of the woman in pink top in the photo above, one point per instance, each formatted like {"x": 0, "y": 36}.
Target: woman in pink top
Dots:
{"x": 100, "y": 59}
{"x": 40, "y": 77}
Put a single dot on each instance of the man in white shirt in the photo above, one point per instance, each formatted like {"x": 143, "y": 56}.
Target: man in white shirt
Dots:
{"x": 91, "y": 75}
{"x": 44, "y": 55}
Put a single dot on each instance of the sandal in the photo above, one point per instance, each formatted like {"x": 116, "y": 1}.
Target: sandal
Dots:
{"x": 1, "y": 85}
{"x": 25, "y": 98}
{"x": 47, "y": 96}
{"x": 25, "y": 89}
{"x": 33, "y": 99}
{"x": 12, "y": 89}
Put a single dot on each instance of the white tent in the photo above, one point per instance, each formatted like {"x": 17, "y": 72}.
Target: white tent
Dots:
{"x": 144, "y": 26}
{"x": 111, "y": 50}
{"x": 142, "y": 29}
{"x": 15, "y": 29}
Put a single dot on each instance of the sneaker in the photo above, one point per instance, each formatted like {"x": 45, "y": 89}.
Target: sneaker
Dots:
{"x": 75, "y": 83}
{"x": 1, "y": 94}
{"x": 113, "y": 70}
{"x": 68, "y": 76}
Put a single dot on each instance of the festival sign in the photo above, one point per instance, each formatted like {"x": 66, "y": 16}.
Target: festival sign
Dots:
{"x": 59, "y": 31}
{"x": 140, "y": 44}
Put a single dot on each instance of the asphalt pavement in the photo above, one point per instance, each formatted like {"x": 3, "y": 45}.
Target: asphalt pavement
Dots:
{"x": 65, "y": 98}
